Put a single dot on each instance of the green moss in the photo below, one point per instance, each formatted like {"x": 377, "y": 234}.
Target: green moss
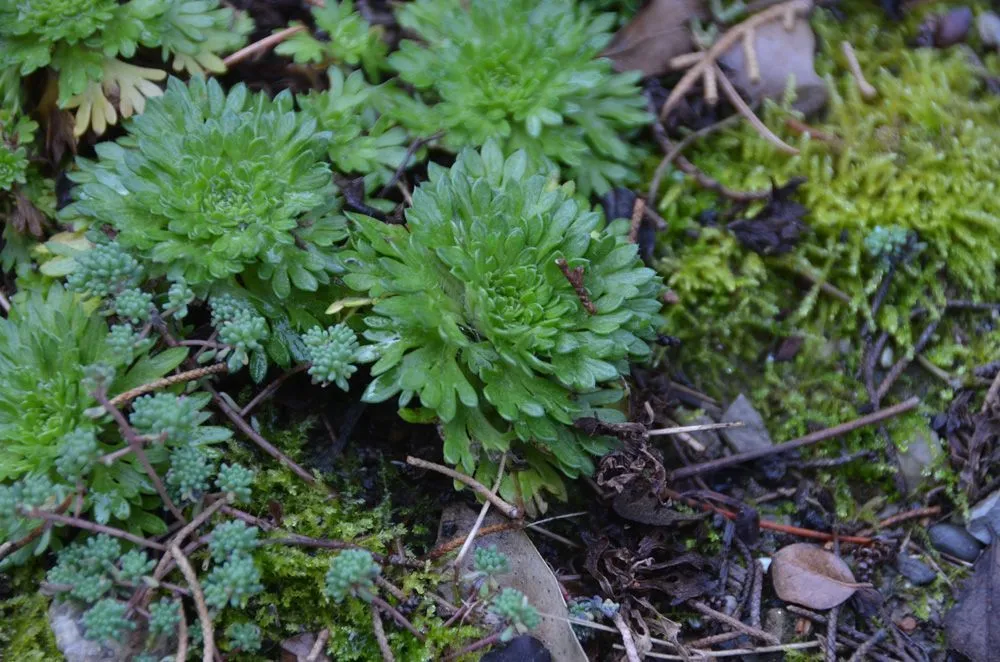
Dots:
{"x": 921, "y": 156}
{"x": 25, "y": 634}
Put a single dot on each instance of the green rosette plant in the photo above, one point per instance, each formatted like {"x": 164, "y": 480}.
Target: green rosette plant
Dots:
{"x": 46, "y": 426}
{"x": 84, "y": 43}
{"x": 474, "y": 316}
{"x": 526, "y": 73}
{"x": 207, "y": 186}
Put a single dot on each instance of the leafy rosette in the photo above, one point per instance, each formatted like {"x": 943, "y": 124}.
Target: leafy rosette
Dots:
{"x": 527, "y": 73}
{"x": 475, "y": 317}
{"x": 207, "y": 186}
{"x": 85, "y": 42}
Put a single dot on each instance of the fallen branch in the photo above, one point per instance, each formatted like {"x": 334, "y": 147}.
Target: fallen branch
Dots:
{"x": 455, "y": 543}
{"x": 661, "y": 169}
{"x": 899, "y": 518}
{"x": 513, "y": 512}
{"x": 628, "y": 641}
{"x": 397, "y": 616}
{"x": 11, "y": 546}
{"x": 744, "y": 31}
{"x": 271, "y": 388}
{"x": 156, "y": 385}
{"x": 182, "y": 634}
{"x": 695, "y": 428}
{"x": 756, "y": 633}
{"x": 410, "y": 151}
{"x": 807, "y": 440}
{"x": 262, "y": 45}
{"x": 383, "y": 643}
{"x": 255, "y": 437}
{"x": 86, "y": 525}
{"x": 207, "y": 633}
{"x": 324, "y": 636}
{"x": 748, "y": 114}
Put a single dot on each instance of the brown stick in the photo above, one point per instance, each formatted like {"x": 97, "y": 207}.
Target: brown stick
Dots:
{"x": 638, "y": 212}
{"x": 261, "y": 442}
{"x": 807, "y": 440}
{"x": 744, "y": 110}
{"x": 271, "y": 388}
{"x": 94, "y": 527}
{"x": 455, "y": 543}
{"x": 207, "y": 632}
{"x": 321, "y": 639}
{"x": 11, "y": 546}
{"x": 383, "y": 643}
{"x": 398, "y": 617}
{"x": 182, "y": 635}
{"x": 156, "y": 385}
{"x": 930, "y": 511}
{"x": 262, "y": 45}
{"x": 135, "y": 443}
{"x": 410, "y": 151}
{"x": 507, "y": 509}
{"x": 724, "y": 43}
{"x": 628, "y": 641}
{"x": 654, "y": 185}
{"x": 756, "y": 633}
{"x": 903, "y": 363}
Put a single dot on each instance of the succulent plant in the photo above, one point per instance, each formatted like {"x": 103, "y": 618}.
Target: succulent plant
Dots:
{"x": 474, "y": 316}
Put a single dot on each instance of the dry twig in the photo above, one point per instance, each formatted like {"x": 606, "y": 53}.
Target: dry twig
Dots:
{"x": 182, "y": 635}
{"x": 383, "y": 643}
{"x": 324, "y": 636}
{"x": 207, "y": 632}
{"x": 507, "y": 509}
{"x": 158, "y": 384}
{"x": 262, "y": 45}
{"x": 756, "y": 633}
{"x": 867, "y": 90}
{"x": 479, "y": 520}
{"x": 745, "y": 31}
{"x": 628, "y": 641}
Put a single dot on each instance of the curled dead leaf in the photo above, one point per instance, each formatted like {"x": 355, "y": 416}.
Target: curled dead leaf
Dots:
{"x": 658, "y": 33}
{"x": 810, "y": 576}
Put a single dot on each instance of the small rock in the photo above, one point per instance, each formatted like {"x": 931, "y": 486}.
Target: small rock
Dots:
{"x": 921, "y": 451}
{"x": 988, "y": 25}
{"x": 66, "y": 621}
{"x": 752, "y": 435}
{"x": 984, "y": 515}
{"x": 907, "y": 624}
{"x": 520, "y": 649}
{"x": 950, "y": 539}
{"x": 953, "y": 27}
{"x": 918, "y": 572}
{"x": 887, "y": 358}
{"x": 778, "y": 621}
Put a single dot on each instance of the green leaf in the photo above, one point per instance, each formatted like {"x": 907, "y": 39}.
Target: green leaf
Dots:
{"x": 258, "y": 366}
{"x": 149, "y": 368}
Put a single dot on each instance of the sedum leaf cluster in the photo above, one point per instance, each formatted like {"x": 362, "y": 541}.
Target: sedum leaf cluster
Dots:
{"x": 527, "y": 74}
{"x": 209, "y": 185}
{"x": 474, "y": 317}
{"x": 85, "y": 43}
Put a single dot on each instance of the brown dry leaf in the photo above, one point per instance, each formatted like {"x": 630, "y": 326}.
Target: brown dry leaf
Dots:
{"x": 657, "y": 34}
{"x": 973, "y": 626}
{"x": 810, "y": 576}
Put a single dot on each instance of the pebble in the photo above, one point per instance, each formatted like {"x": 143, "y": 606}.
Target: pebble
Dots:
{"x": 918, "y": 572}
{"x": 520, "y": 649}
{"x": 954, "y": 540}
{"x": 984, "y": 518}
{"x": 953, "y": 27}
{"x": 988, "y": 25}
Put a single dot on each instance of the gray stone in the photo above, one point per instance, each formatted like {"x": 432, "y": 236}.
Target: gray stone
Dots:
{"x": 954, "y": 540}
{"x": 918, "y": 572}
{"x": 983, "y": 516}
{"x": 778, "y": 621}
{"x": 66, "y": 621}
{"x": 752, "y": 435}
{"x": 782, "y": 54}
{"x": 921, "y": 451}
{"x": 988, "y": 25}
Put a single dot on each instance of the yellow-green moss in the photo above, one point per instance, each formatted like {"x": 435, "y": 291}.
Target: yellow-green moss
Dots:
{"x": 25, "y": 634}
{"x": 923, "y": 156}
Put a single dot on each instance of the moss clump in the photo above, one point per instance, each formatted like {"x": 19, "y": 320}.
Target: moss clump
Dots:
{"x": 25, "y": 634}
{"x": 922, "y": 157}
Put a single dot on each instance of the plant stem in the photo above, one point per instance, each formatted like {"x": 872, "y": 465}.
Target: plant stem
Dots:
{"x": 383, "y": 643}
{"x": 271, "y": 388}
